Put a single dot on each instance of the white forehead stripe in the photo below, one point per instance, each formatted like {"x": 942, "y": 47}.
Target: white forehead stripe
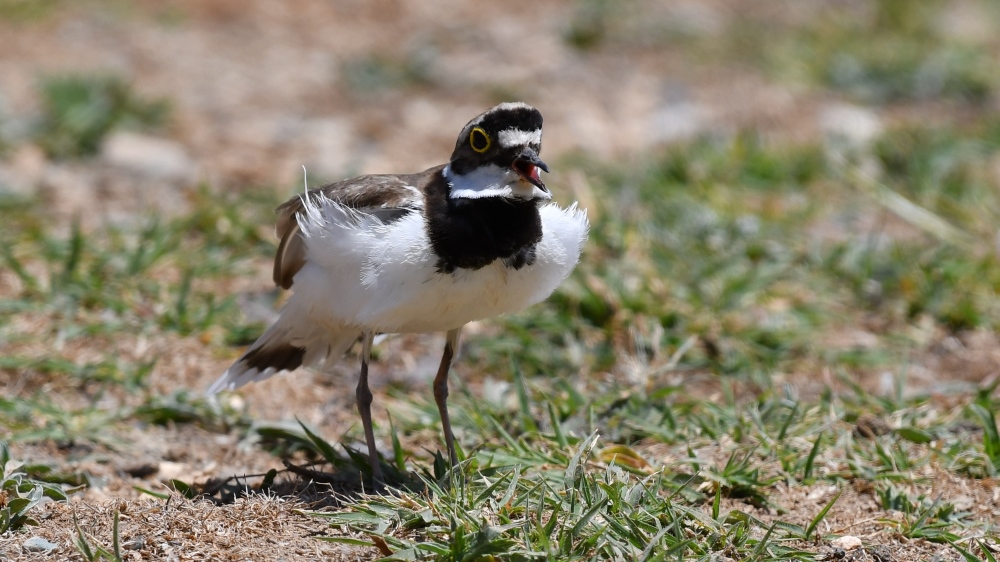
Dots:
{"x": 510, "y": 105}
{"x": 517, "y": 137}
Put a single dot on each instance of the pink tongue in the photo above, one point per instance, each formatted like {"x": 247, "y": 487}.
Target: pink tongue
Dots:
{"x": 533, "y": 172}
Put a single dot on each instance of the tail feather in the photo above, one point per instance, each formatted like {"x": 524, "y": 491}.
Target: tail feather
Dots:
{"x": 285, "y": 346}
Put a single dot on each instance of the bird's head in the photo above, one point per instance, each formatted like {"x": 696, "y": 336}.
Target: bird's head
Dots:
{"x": 496, "y": 155}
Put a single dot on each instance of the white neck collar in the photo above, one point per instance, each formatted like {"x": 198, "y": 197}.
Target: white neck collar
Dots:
{"x": 491, "y": 181}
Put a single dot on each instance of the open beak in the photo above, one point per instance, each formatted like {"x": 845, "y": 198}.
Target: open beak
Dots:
{"x": 527, "y": 166}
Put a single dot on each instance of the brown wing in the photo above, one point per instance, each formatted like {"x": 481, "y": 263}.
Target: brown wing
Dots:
{"x": 385, "y": 196}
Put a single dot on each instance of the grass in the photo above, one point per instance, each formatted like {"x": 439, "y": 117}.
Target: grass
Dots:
{"x": 897, "y": 53}
{"x": 737, "y": 369}
{"x": 94, "y": 553}
{"x": 94, "y": 287}
{"x": 765, "y": 347}
{"x": 711, "y": 266}
{"x": 22, "y": 487}
{"x": 80, "y": 111}
{"x": 880, "y": 52}
{"x": 565, "y": 512}
{"x": 118, "y": 274}
{"x": 25, "y": 10}
{"x": 534, "y": 494}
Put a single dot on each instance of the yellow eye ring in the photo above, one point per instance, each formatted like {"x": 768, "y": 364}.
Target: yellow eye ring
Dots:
{"x": 479, "y": 140}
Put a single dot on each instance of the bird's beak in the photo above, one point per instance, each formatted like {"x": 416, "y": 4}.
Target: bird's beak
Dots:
{"x": 527, "y": 166}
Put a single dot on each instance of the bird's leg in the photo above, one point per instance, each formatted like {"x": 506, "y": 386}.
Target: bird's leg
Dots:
{"x": 364, "y": 396}
{"x": 441, "y": 391}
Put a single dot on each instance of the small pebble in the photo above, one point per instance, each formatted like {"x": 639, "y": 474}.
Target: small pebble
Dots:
{"x": 846, "y": 542}
{"x": 137, "y": 543}
{"x": 38, "y": 544}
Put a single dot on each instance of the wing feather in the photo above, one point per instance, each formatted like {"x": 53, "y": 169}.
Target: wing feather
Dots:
{"x": 386, "y": 196}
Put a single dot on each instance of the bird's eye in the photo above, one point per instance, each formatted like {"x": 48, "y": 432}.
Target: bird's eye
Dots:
{"x": 479, "y": 140}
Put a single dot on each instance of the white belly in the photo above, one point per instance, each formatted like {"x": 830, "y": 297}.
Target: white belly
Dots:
{"x": 362, "y": 273}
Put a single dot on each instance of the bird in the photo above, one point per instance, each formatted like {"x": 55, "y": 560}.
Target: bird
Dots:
{"x": 474, "y": 238}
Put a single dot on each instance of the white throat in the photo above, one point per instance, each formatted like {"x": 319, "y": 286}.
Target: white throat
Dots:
{"x": 492, "y": 181}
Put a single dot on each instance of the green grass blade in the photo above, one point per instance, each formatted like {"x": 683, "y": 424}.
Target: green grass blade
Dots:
{"x": 184, "y": 489}
{"x": 574, "y": 470}
{"x": 599, "y": 504}
{"x": 81, "y": 541}
{"x": 397, "y": 449}
{"x": 488, "y": 491}
{"x": 811, "y": 458}
{"x": 512, "y": 488}
{"x": 507, "y": 438}
{"x": 987, "y": 553}
{"x": 116, "y": 540}
{"x": 968, "y": 556}
{"x": 788, "y": 422}
{"x": 157, "y": 495}
{"x": 822, "y": 514}
{"x": 762, "y": 545}
{"x": 556, "y": 425}
{"x": 322, "y": 446}
{"x": 991, "y": 437}
{"x": 717, "y": 503}
{"x": 348, "y": 541}
{"x": 72, "y": 262}
{"x": 524, "y": 403}
{"x": 18, "y": 268}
